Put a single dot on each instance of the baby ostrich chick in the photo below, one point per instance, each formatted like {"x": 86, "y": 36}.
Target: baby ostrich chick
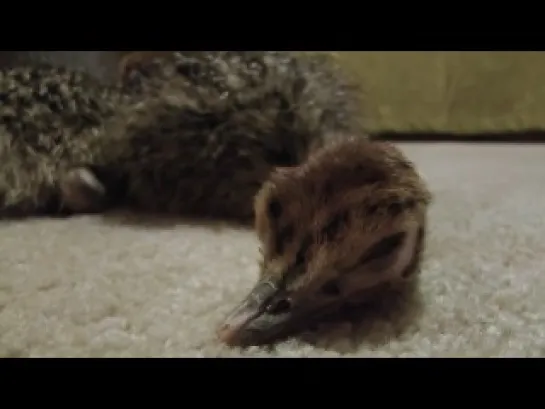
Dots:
{"x": 347, "y": 222}
{"x": 206, "y": 129}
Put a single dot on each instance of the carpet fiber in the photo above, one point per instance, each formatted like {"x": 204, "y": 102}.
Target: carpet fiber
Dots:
{"x": 103, "y": 286}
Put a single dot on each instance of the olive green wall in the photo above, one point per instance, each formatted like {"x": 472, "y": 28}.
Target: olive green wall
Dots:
{"x": 451, "y": 91}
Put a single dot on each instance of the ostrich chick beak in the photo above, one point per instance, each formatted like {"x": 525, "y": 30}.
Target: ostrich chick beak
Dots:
{"x": 262, "y": 315}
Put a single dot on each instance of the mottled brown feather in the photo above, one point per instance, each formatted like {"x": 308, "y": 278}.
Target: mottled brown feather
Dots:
{"x": 334, "y": 204}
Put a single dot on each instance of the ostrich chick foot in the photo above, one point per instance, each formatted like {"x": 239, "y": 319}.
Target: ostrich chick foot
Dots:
{"x": 82, "y": 192}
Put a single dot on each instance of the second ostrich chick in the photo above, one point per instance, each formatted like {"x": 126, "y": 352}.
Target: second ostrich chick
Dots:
{"x": 207, "y": 128}
{"x": 348, "y": 221}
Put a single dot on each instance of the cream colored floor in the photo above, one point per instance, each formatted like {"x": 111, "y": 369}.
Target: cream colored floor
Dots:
{"x": 91, "y": 286}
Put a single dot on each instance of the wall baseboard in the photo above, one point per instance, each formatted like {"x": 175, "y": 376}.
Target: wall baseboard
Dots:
{"x": 534, "y": 136}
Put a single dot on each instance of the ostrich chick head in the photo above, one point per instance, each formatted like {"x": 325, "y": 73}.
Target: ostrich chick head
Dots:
{"x": 349, "y": 220}
{"x": 132, "y": 59}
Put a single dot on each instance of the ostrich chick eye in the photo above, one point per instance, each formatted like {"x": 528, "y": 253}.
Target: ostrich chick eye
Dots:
{"x": 279, "y": 306}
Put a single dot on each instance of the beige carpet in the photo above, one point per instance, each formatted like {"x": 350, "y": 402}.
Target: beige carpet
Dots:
{"x": 96, "y": 287}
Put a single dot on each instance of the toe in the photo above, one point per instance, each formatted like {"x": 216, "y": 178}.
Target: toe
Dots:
{"x": 81, "y": 191}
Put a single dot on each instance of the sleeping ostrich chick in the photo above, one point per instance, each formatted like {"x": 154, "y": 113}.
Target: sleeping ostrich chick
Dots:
{"x": 204, "y": 130}
{"x": 348, "y": 221}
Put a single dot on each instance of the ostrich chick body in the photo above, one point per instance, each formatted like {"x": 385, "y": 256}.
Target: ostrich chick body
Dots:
{"x": 192, "y": 133}
{"x": 212, "y": 125}
{"x": 349, "y": 220}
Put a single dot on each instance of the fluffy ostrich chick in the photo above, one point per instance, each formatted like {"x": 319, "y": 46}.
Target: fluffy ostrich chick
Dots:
{"x": 206, "y": 129}
{"x": 350, "y": 220}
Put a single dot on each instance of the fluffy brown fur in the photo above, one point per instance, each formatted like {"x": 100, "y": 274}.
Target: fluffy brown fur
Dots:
{"x": 326, "y": 210}
{"x": 207, "y": 128}
{"x": 45, "y": 112}
{"x": 349, "y": 220}
{"x": 102, "y": 65}
{"x": 136, "y": 61}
